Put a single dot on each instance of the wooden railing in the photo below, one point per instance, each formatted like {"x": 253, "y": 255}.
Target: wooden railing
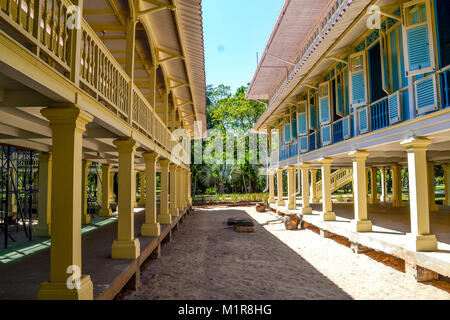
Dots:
{"x": 47, "y": 28}
{"x": 338, "y": 179}
{"x": 101, "y": 75}
{"x": 42, "y": 27}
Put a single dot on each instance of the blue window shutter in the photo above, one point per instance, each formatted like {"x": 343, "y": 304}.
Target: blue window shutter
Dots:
{"x": 326, "y": 135}
{"x": 312, "y": 117}
{"x": 394, "y": 108}
{"x": 346, "y": 127}
{"x": 287, "y": 133}
{"x": 294, "y": 128}
{"x": 418, "y": 48}
{"x": 358, "y": 88}
{"x": 363, "y": 121}
{"x": 426, "y": 99}
{"x": 324, "y": 110}
{"x": 304, "y": 144}
{"x": 302, "y": 126}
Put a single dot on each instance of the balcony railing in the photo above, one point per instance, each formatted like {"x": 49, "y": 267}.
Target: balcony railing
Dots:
{"x": 379, "y": 114}
{"x": 445, "y": 86}
{"x": 44, "y": 28}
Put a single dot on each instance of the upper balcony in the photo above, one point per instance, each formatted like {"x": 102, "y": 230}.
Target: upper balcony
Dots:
{"x": 137, "y": 59}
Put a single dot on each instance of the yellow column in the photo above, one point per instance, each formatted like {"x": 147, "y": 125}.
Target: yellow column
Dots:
{"x": 164, "y": 214}
{"x": 105, "y": 211}
{"x": 306, "y": 208}
{"x": 173, "y": 190}
{"x": 182, "y": 189}
{"x": 280, "y": 187}
{"x": 126, "y": 246}
{"x": 446, "y": 183}
{"x": 111, "y": 187}
{"x": 42, "y": 229}
{"x": 373, "y": 186}
{"x": 291, "y": 188}
{"x": 313, "y": 186}
{"x": 151, "y": 227}
{"x": 360, "y": 223}
{"x": 327, "y": 204}
{"x": 384, "y": 196}
{"x": 85, "y": 217}
{"x": 135, "y": 181}
{"x": 190, "y": 188}
{"x": 397, "y": 186}
{"x": 271, "y": 187}
{"x": 143, "y": 182}
{"x": 68, "y": 125}
{"x": 420, "y": 238}
{"x": 99, "y": 189}
{"x": 179, "y": 191}
{"x": 431, "y": 187}
{"x": 185, "y": 187}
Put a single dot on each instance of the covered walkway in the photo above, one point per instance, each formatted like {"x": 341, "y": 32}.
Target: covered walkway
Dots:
{"x": 389, "y": 232}
{"x": 270, "y": 263}
{"x": 21, "y": 280}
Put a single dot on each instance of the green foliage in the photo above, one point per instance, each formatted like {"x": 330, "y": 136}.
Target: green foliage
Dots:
{"x": 227, "y": 111}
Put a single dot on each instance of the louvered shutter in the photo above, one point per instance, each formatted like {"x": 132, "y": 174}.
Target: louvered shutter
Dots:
{"x": 304, "y": 144}
{"x": 363, "y": 120}
{"x": 346, "y": 128}
{"x": 324, "y": 103}
{"x": 325, "y": 133}
{"x": 418, "y": 37}
{"x": 426, "y": 97}
{"x": 394, "y": 104}
{"x": 358, "y": 85}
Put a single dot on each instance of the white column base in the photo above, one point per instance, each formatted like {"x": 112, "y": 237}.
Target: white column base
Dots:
{"x": 362, "y": 225}
{"x": 328, "y": 216}
{"x": 422, "y": 243}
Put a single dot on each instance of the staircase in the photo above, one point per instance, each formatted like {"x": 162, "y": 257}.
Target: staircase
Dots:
{"x": 338, "y": 179}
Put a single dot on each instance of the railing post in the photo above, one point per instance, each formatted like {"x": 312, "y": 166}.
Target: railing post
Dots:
{"x": 75, "y": 43}
{"x": 129, "y": 64}
{"x": 153, "y": 99}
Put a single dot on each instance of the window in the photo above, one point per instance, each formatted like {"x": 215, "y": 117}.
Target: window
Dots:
{"x": 287, "y": 130}
{"x": 294, "y": 133}
{"x": 324, "y": 103}
{"x": 358, "y": 79}
{"x": 312, "y": 110}
{"x": 339, "y": 94}
{"x": 418, "y": 41}
{"x": 302, "y": 118}
{"x": 385, "y": 69}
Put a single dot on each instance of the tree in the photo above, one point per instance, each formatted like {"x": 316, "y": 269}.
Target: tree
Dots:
{"x": 227, "y": 111}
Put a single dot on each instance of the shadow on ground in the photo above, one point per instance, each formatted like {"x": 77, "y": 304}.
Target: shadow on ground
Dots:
{"x": 209, "y": 260}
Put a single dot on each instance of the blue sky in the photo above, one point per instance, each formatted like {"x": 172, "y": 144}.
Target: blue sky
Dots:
{"x": 234, "y": 31}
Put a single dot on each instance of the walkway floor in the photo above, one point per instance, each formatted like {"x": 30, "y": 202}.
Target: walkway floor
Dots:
{"x": 209, "y": 260}
{"x": 390, "y": 226}
{"x": 21, "y": 279}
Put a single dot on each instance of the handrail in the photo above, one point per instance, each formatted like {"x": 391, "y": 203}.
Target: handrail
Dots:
{"x": 337, "y": 179}
{"x": 43, "y": 27}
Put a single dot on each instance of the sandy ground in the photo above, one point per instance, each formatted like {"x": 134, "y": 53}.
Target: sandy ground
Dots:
{"x": 208, "y": 260}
